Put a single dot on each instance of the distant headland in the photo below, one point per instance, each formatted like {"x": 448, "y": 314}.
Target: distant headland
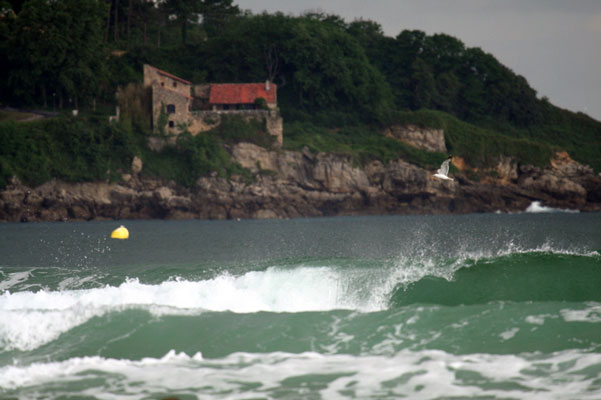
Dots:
{"x": 211, "y": 112}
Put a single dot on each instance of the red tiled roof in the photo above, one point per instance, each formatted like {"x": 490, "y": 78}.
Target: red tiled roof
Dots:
{"x": 241, "y": 93}
{"x": 167, "y": 74}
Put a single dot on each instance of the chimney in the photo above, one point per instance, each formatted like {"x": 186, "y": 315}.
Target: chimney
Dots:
{"x": 267, "y": 85}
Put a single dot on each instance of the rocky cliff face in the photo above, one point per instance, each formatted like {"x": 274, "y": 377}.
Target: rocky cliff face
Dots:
{"x": 422, "y": 138}
{"x": 302, "y": 184}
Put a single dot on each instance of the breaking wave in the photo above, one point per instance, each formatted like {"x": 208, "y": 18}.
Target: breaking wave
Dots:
{"x": 29, "y": 319}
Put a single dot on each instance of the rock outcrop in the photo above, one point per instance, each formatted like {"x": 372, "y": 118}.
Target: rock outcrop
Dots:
{"x": 422, "y": 138}
{"x": 291, "y": 184}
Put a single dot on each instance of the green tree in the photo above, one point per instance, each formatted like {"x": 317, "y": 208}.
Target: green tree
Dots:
{"x": 216, "y": 15}
{"x": 257, "y": 41}
{"x": 423, "y": 85}
{"x": 316, "y": 63}
{"x": 447, "y": 90}
{"x": 7, "y": 21}
{"x": 84, "y": 67}
{"x": 186, "y": 12}
{"x": 330, "y": 70}
{"x": 395, "y": 58}
{"x": 212, "y": 13}
{"x": 57, "y": 48}
{"x": 443, "y": 52}
{"x": 368, "y": 33}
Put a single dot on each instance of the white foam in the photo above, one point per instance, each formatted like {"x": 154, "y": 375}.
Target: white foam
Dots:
{"x": 511, "y": 248}
{"x": 30, "y": 329}
{"x": 15, "y": 376}
{"x": 13, "y": 279}
{"x": 590, "y": 314}
{"x": 75, "y": 282}
{"x": 538, "y": 207}
{"x": 508, "y": 334}
{"x": 536, "y": 319}
{"x": 417, "y": 375}
{"x": 278, "y": 290}
{"x": 30, "y": 319}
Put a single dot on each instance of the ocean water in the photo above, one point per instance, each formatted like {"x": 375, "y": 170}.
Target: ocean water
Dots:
{"x": 490, "y": 306}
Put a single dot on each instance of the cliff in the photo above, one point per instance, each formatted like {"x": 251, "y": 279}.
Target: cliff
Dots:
{"x": 291, "y": 184}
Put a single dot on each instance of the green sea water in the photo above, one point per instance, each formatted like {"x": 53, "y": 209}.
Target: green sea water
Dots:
{"x": 489, "y": 306}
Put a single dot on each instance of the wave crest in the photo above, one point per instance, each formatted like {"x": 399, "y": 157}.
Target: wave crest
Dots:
{"x": 30, "y": 319}
{"x": 517, "y": 276}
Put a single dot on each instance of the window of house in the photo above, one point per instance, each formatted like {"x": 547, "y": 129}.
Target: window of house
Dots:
{"x": 162, "y": 83}
{"x": 171, "y": 124}
{"x": 174, "y": 84}
{"x": 170, "y": 108}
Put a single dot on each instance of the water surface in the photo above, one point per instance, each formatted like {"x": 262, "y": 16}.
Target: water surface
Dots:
{"x": 424, "y": 307}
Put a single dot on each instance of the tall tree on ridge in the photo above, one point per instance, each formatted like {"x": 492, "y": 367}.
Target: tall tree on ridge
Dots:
{"x": 57, "y": 48}
{"x": 214, "y": 14}
{"x": 186, "y": 11}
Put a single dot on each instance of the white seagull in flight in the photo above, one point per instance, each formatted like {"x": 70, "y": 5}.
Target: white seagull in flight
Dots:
{"x": 443, "y": 171}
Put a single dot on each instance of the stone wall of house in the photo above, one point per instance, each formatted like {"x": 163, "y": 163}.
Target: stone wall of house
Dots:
{"x": 174, "y": 104}
{"x": 153, "y": 75}
{"x": 274, "y": 124}
{"x": 202, "y": 121}
{"x": 201, "y": 91}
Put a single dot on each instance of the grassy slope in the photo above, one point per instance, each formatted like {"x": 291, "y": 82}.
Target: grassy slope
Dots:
{"x": 480, "y": 147}
{"x": 361, "y": 143}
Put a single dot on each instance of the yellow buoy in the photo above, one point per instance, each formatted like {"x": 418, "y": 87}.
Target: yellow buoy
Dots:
{"x": 120, "y": 233}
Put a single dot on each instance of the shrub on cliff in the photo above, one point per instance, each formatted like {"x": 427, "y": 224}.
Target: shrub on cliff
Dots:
{"x": 234, "y": 129}
{"x": 24, "y": 152}
{"x": 190, "y": 158}
{"x": 361, "y": 143}
{"x": 88, "y": 149}
{"x": 66, "y": 148}
{"x": 480, "y": 146}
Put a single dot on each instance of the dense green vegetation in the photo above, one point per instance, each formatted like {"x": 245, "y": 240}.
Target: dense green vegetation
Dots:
{"x": 193, "y": 157}
{"x": 479, "y": 145}
{"x": 89, "y": 149}
{"x": 361, "y": 143}
{"x": 66, "y": 148}
{"x": 339, "y": 85}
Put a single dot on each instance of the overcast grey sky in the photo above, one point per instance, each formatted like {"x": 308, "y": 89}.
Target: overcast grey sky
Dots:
{"x": 554, "y": 44}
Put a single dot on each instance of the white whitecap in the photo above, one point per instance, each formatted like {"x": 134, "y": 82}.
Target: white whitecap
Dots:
{"x": 538, "y": 207}
{"x": 423, "y": 374}
{"x": 30, "y": 319}
{"x": 13, "y": 278}
{"x": 590, "y": 314}
{"x": 536, "y": 319}
{"x": 508, "y": 334}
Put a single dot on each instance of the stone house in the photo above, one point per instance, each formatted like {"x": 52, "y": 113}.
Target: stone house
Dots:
{"x": 177, "y": 103}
